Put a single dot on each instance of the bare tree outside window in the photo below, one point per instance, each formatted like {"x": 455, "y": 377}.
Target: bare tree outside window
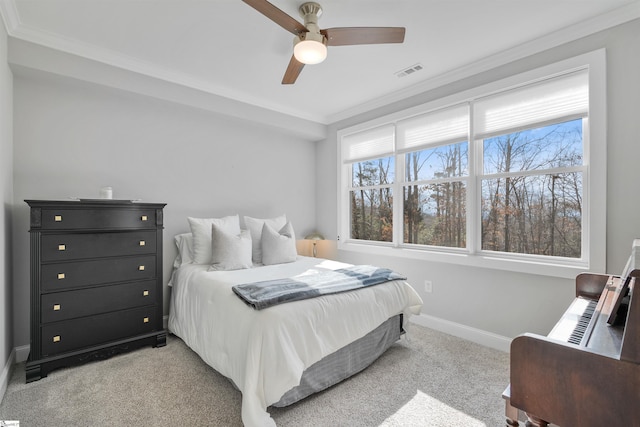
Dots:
{"x": 435, "y": 197}
{"x": 372, "y": 200}
{"x": 528, "y": 205}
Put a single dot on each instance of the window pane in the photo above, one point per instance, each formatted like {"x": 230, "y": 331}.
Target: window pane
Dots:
{"x": 539, "y": 215}
{"x": 439, "y": 162}
{"x": 372, "y": 214}
{"x": 373, "y": 172}
{"x": 435, "y": 214}
{"x": 557, "y": 145}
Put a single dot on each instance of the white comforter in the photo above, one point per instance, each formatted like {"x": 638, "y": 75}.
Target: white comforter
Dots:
{"x": 264, "y": 352}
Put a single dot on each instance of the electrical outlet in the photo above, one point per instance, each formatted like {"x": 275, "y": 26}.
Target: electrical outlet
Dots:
{"x": 428, "y": 286}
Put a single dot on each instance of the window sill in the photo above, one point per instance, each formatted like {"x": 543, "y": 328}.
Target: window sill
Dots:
{"x": 482, "y": 260}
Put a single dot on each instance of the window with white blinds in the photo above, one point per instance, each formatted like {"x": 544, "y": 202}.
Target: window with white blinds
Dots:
{"x": 472, "y": 176}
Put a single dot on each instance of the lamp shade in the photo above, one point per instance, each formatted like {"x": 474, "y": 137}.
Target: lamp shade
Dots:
{"x": 309, "y": 48}
{"x": 314, "y": 236}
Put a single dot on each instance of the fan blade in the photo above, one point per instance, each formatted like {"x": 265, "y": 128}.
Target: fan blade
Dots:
{"x": 363, "y": 35}
{"x": 277, "y": 16}
{"x": 293, "y": 71}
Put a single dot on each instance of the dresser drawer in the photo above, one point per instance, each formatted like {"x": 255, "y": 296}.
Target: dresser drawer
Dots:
{"x": 78, "y": 219}
{"x": 87, "y": 331}
{"x": 62, "y": 247}
{"x": 85, "y": 302}
{"x": 65, "y": 275}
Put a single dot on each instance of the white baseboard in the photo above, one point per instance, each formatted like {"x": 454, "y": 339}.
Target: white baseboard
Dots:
{"x": 6, "y": 374}
{"x": 478, "y": 336}
{"x": 22, "y": 353}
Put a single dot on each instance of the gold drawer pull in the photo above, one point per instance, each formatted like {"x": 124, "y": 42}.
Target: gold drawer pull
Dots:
{"x": 56, "y": 307}
{"x": 62, "y": 247}
{"x": 142, "y": 243}
{"x": 57, "y": 218}
{"x": 145, "y": 320}
{"x": 60, "y": 276}
{"x": 141, "y": 268}
{"x": 145, "y": 293}
{"x": 144, "y": 218}
{"x": 56, "y": 338}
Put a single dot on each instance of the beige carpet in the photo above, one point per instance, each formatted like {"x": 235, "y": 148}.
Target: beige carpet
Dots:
{"x": 426, "y": 379}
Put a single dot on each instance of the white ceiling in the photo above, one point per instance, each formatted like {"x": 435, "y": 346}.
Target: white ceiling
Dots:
{"x": 227, "y": 48}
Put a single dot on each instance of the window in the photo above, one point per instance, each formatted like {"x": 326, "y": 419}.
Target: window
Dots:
{"x": 503, "y": 174}
{"x": 435, "y": 155}
{"x": 531, "y": 192}
{"x": 371, "y": 193}
{"x": 532, "y": 145}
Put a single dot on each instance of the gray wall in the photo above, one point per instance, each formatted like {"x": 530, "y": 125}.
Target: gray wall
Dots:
{"x": 6, "y": 194}
{"x": 501, "y": 302}
{"x": 71, "y": 138}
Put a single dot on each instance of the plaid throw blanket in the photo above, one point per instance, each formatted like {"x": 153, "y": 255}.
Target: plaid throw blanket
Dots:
{"x": 268, "y": 293}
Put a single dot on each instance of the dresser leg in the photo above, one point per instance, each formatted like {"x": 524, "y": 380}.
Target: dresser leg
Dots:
{"x": 161, "y": 339}
{"x": 32, "y": 373}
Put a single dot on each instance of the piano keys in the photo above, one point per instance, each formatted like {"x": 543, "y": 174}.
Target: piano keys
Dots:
{"x": 586, "y": 372}
{"x": 574, "y": 322}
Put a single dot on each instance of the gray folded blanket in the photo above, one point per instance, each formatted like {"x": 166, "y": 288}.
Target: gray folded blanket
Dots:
{"x": 268, "y": 293}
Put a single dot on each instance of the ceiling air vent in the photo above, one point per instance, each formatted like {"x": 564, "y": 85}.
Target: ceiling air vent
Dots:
{"x": 410, "y": 70}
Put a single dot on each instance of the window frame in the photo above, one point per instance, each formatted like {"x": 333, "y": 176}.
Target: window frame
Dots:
{"x": 594, "y": 182}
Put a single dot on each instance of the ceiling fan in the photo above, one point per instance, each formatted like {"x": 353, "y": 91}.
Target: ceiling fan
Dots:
{"x": 310, "y": 42}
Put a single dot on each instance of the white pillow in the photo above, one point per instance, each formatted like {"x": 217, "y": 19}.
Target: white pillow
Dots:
{"x": 201, "y": 230}
{"x": 278, "y": 247}
{"x": 184, "y": 242}
{"x": 254, "y": 225}
{"x": 230, "y": 251}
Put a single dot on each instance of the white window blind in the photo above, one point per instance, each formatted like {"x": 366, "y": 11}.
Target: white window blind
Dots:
{"x": 369, "y": 144}
{"x": 447, "y": 125}
{"x": 558, "y": 98}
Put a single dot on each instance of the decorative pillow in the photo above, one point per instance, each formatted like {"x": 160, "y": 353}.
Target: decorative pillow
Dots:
{"x": 184, "y": 242}
{"x": 254, "y": 225}
{"x": 230, "y": 251}
{"x": 201, "y": 230}
{"x": 278, "y": 247}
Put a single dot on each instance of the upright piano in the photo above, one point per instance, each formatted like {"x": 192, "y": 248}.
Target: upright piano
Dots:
{"x": 586, "y": 372}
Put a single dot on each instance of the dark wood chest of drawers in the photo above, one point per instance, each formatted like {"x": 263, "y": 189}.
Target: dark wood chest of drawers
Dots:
{"x": 96, "y": 281}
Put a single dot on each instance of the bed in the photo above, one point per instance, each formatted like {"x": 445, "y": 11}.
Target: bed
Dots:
{"x": 279, "y": 355}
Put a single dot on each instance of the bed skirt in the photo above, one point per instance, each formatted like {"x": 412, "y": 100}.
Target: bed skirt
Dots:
{"x": 345, "y": 362}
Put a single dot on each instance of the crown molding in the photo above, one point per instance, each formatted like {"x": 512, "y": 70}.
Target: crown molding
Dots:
{"x": 582, "y": 29}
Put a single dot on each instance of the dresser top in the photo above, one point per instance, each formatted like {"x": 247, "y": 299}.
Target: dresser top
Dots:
{"x": 91, "y": 202}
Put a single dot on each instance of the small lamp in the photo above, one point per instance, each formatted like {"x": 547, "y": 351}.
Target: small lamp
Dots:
{"x": 315, "y": 236}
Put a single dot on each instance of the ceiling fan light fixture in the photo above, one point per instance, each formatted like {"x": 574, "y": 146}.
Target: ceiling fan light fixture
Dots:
{"x": 310, "y": 48}
{"x": 310, "y": 42}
